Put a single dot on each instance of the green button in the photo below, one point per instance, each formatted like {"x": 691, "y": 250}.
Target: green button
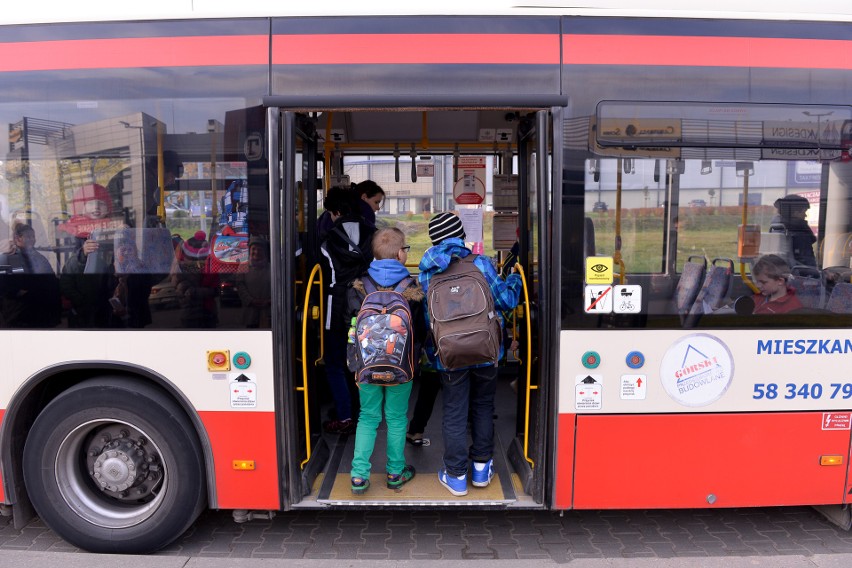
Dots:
{"x": 591, "y": 359}
{"x": 242, "y": 360}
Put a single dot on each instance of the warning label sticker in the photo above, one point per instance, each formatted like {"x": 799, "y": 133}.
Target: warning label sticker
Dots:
{"x": 836, "y": 420}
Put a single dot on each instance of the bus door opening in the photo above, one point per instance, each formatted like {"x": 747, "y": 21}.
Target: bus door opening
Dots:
{"x": 422, "y": 160}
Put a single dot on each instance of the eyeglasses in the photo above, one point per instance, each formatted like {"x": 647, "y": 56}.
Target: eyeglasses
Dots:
{"x": 406, "y": 248}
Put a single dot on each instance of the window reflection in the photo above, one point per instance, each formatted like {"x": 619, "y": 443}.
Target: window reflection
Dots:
{"x": 712, "y": 220}
{"x": 119, "y": 222}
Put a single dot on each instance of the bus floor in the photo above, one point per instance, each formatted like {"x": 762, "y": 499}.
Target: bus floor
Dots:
{"x": 333, "y": 487}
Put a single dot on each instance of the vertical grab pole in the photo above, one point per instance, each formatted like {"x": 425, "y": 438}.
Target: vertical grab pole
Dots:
{"x": 743, "y": 276}
{"x": 316, "y": 272}
{"x": 616, "y": 256}
{"x": 529, "y": 386}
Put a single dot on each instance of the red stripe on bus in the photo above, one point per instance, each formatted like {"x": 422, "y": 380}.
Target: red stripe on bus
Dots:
{"x": 134, "y": 52}
{"x": 533, "y": 49}
{"x": 244, "y": 436}
{"x": 2, "y": 488}
{"x": 701, "y": 460}
{"x": 707, "y": 51}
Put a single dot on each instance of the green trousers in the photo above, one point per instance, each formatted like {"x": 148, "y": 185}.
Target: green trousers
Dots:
{"x": 394, "y": 401}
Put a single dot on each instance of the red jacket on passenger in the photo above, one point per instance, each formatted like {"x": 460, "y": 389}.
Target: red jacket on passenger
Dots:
{"x": 782, "y": 305}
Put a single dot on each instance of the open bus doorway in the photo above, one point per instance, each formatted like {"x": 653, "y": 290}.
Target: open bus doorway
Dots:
{"x": 324, "y": 148}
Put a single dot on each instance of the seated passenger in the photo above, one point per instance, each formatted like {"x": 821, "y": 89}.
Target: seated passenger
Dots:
{"x": 770, "y": 274}
{"x": 791, "y": 215}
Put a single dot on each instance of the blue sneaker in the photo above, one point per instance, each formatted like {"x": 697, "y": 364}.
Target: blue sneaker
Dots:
{"x": 482, "y": 473}
{"x": 455, "y": 485}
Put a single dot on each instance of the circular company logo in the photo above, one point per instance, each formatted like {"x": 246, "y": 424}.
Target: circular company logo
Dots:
{"x": 697, "y": 370}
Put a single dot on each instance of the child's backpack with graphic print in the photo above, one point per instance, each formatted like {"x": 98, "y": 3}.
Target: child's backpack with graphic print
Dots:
{"x": 381, "y": 345}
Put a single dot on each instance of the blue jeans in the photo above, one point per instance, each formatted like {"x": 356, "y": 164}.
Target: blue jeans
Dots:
{"x": 335, "y": 372}
{"x": 468, "y": 390}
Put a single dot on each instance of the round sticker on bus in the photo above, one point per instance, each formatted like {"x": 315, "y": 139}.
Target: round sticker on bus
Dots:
{"x": 697, "y": 370}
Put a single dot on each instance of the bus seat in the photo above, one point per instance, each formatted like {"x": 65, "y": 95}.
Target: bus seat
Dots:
{"x": 837, "y": 274}
{"x": 840, "y": 300}
{"x": 689, "y": 285}
{"x": 809, "y": 291}
{"x": 713, "y": 292}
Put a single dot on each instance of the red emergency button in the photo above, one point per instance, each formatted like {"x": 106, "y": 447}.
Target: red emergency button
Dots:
{"x": 218, "y": 361}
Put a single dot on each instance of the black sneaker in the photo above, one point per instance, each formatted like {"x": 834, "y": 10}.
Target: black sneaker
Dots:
{"x": 360, "y": 485}
{"x": 340, "y": 426}
{"x": 400, "y": 479}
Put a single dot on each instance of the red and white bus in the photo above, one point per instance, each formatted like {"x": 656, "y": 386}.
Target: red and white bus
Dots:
{"x": 636, "y": 154}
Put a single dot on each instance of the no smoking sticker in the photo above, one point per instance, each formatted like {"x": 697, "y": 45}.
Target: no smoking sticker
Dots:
{"x": 598, "y": 299}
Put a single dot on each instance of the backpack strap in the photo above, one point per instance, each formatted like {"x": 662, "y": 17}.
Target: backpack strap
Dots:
{"x": 369, "y": 285}
{"x": 403, "y": 284}
{"x": 343, "y": 234}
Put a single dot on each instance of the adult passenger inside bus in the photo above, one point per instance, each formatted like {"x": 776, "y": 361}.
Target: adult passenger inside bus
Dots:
{"x": 790, "y": 220}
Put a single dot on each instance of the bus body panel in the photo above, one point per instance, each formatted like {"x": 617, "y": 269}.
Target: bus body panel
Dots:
{"x": 720, "y": 417}
{"x": 719, "y": 460}
{"x": 237, "y": 407}
{"x": 181, "y": 359}
{"x": 563, "y": 478}
{"x": 250, "y": 437}
{"x": 785, "y": 53}
{"x": 462, "y": 56}
{"x": 716, "y": 370}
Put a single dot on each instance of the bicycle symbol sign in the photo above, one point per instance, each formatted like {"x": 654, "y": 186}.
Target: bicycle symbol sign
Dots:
{"x": 627, "y": 299}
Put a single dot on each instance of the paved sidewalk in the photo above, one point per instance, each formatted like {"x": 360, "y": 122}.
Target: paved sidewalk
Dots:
{"x": 793, "y": 537}
{"x": 10, "y": 559}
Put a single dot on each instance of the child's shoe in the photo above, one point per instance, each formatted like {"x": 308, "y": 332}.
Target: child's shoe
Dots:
{"x": 400, "y": 479}
{"x": 482, "y": 473}
{"x": 360, "y": 485}
{"x": 455, "y": 485}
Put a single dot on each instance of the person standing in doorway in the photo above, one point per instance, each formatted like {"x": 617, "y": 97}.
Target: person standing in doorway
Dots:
{"x": 469, "y": 389}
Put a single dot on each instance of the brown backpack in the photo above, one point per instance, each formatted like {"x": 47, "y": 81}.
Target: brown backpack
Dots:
{"x": 464, "y": 324}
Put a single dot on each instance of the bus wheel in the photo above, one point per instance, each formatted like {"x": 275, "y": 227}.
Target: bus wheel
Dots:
{"x": 114, "y": 465}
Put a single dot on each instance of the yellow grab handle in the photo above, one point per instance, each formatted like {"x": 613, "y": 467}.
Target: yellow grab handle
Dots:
{"x": 316, "y": 273}
{"x": 529, "y": 386}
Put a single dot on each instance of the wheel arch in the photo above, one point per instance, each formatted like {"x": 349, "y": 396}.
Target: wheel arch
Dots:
{"x": 41, "y": 388}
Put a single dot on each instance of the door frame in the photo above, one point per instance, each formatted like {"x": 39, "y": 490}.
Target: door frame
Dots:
{"x": 282, "y": 117}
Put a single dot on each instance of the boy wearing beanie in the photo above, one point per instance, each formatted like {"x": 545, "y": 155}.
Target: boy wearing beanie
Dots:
{"x": 471, "y": 387}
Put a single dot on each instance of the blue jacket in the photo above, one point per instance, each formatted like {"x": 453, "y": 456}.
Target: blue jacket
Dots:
{"x": 438, "y": 258}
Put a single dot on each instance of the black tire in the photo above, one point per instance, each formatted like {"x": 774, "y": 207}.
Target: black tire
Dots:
{"x": 114, "y": 465}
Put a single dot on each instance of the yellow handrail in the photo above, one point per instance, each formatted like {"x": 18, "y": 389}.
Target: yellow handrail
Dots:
{"x": 530, "y": 386}
{"x": 616, "y": 255}
{"x": 304, "y": 388}
{"x": 743, "y": 276}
